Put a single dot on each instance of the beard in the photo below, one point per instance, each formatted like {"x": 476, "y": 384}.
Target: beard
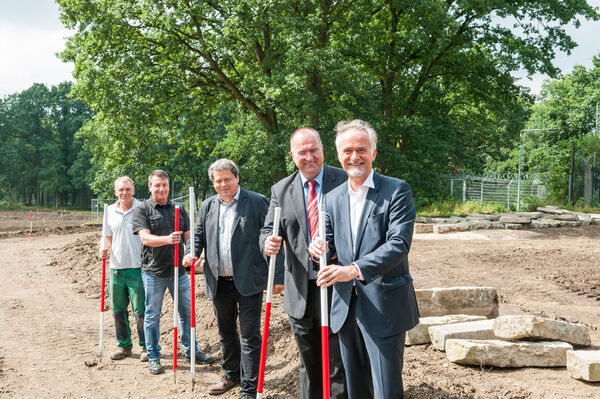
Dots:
{"x": 356, "y": 170}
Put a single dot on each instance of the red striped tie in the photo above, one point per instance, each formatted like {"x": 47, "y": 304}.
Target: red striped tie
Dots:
{"x": 312, "y": 209}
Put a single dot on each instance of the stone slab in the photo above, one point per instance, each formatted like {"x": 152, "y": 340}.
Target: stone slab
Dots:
{"x": 421, "y": 228}
{"x": 499, "y": 353}
{"x": 544, "y": 223}
{"x": 512, "y": 218}
{"x": 478, "y": 301}
{"x": 531, "y": 215}
{"x": 584, "y": 365}
{"x": 420, "y": 333}
{"x": 540, "y": 328}
{"x": 550, "y": 209}
{"x": 451, "y": 228}
{"x": 483, "y": 329}
{"x": 568, "y": 216}
{"x": 485, "y": 216}
{"x": 513, "y": 226}
{"x": 480, "y": 224}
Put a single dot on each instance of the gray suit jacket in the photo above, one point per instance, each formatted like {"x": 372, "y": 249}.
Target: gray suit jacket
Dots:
{"x": 287, "y": 194}
{"x": 250, "y": 270}
{"x": 386, "y": 304}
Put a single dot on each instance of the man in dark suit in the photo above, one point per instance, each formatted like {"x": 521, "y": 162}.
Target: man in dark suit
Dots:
{"x": 296, "y": 195}
{"x": 369, "y": 227}
{"x": 235, "y": 273}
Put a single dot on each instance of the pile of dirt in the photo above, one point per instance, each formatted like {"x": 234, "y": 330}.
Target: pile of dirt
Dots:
{"x": 80, "y": 264}
{"x": 47, "y": 231}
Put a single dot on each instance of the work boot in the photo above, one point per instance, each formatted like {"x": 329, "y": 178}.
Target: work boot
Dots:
{"x": 155, "y": 367}
{"x": 201, "y": 358}
{"x": 120, "y": 353}
{"x": 144, "y": 356}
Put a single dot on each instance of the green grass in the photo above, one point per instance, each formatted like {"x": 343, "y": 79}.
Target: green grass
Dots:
{"x": 456, "y": 208}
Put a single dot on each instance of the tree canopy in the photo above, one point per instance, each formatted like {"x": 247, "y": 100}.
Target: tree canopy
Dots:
{"x": 179, "y": 82}
{"x": 42, "y": 160}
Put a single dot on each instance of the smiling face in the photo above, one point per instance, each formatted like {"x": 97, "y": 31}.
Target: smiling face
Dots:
{"x": 124, "y": 190}
{"x": 226, "y": 184}
{"x": 356, "y": 155}
{"x": 307, "y": 153}
{"x": 159, "y": 189}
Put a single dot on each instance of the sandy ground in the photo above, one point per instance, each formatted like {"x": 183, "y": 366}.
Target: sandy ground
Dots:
{"x": 49, "y": 317}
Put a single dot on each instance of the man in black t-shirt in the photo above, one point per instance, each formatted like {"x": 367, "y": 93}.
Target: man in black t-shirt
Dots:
{"x": 154, "y": 222}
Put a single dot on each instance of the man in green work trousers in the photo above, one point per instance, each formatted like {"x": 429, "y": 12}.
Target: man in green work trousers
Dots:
{"x": 125, "y": 268}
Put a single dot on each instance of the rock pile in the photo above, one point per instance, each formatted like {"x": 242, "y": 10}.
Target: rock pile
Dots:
{"x": 464, "y": 322}
{"x": 545, "y": 217}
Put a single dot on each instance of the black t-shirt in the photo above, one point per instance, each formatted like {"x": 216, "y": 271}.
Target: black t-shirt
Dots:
{"x": 160, "y": 220}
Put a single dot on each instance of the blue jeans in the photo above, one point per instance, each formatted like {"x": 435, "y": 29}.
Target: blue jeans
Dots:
{"x": 155, "y": 292}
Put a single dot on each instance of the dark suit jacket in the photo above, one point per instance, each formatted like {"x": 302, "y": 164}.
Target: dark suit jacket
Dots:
{"x": 386, "y": 304}
{"x": 250, "y": 270}
{"x": 287, "y": 194}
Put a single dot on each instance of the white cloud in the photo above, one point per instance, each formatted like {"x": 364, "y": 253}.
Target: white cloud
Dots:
{"x": 28, "y": 56}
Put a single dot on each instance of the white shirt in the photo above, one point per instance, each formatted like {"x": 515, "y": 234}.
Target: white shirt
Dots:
{"x": 357, "y": 203}
{"x": 226, "y": 217}
{"x": 126, "y": 250}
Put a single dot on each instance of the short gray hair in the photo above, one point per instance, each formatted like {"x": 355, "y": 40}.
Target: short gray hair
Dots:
{"x": 123, "y": 179}
{"x": 301, "y": 130}
{"x": 357, "y": 124}
{"x": 223, "y": 164}
{"x": 158, "y": 173}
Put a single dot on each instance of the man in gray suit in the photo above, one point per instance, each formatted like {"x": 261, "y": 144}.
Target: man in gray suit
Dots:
{"x": 235, "y": 273}
{"x": 369, "y": 227}
{"x": 302, "y": 298}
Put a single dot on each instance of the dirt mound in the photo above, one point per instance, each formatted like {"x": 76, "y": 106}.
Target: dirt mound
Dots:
{"x": 47, "y": 231}
{"x": 80, "y": 264}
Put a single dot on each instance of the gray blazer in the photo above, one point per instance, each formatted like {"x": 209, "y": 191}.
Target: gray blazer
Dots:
{"x": 288, "y": 194}
{"x": 250, "y": 270}
{"x": 386, "y": 304}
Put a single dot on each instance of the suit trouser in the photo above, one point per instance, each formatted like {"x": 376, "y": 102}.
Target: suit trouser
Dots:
{"x": 373, "y": 364}
{"x": 307, "y": 332}
{"x": 240, "y": 359}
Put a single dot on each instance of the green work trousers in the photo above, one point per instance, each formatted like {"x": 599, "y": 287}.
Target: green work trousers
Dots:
{"x": 126, "y": 285}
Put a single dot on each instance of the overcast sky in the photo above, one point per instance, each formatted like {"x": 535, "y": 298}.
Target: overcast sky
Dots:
{"x": 31, "y": 34}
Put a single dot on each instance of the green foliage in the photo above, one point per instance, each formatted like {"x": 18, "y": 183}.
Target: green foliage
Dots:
{"x": 567, "y": 107}
{"x": 453, "y": 207}
{"x": 175, "y": 81}
{"x": 41, "y": 160}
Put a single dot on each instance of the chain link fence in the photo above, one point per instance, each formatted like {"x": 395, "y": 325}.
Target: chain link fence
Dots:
{"x": 498, "y": 188}
{"x": 97, "y": 205}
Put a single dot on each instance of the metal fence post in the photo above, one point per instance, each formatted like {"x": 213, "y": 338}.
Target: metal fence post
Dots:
{"x": 464, "y": 191}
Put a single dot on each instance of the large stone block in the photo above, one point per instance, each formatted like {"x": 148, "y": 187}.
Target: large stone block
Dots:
{"x": 420, "y": 333}
{"x": 544, "y": 223}
{"x": 539, "y": 328}
{"x": 512, "y": 219}
{"x": 531, "y": 215}
{"x": 480, "y": 224}
{"x": 451, "y": 228}
{"x": 513, "y": 226}
{"x": 550, "y": 209}
{"x": 483, "y": 329}
{"x": 484, "y": 216}
{"x": 568, "y": 216}
{"x": 584, "y": 365}
{"x": 421, "y": 228}
{"x": 478, "y": 301}
{"x": 499, "y": 353}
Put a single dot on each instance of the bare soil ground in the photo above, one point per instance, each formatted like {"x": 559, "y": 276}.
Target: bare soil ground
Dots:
{"x": 49, "y": 316}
